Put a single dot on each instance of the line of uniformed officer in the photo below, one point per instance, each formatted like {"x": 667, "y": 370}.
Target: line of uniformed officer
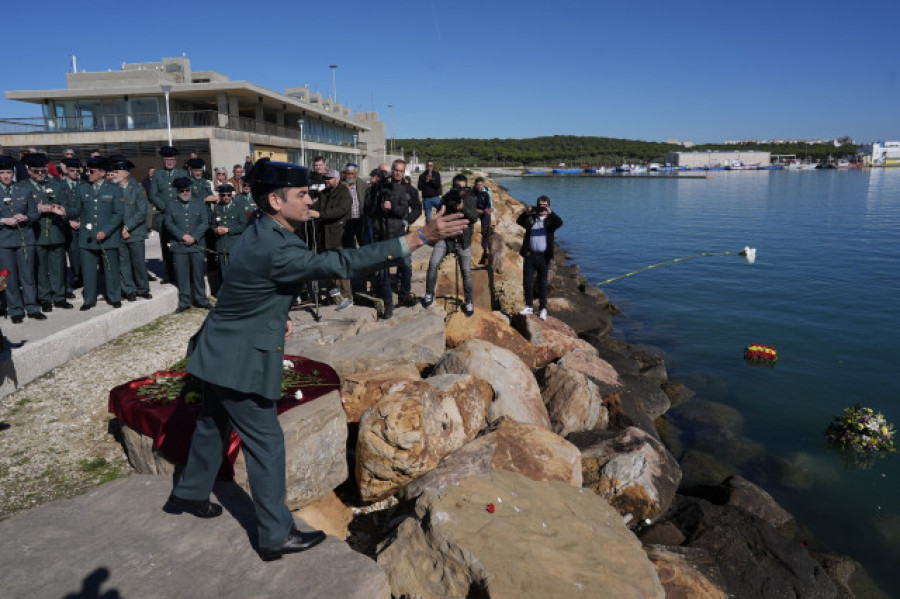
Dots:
{"x": 187, "y": 221}
{"x": 161, "y": 191}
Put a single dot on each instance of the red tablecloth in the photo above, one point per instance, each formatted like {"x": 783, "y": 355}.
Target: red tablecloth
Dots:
{"x": 171, "y": 425}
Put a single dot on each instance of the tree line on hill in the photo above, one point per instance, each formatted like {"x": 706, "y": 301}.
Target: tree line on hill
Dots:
{"x": 576, "y": 150}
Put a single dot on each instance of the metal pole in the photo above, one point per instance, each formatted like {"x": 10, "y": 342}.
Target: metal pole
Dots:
{"x": 333, "y": 68}
{"x": 166, "y": 89}
{"x": 391, "y": 119}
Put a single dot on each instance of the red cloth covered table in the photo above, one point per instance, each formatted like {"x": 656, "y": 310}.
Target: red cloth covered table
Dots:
{"x": 171, "y": 424}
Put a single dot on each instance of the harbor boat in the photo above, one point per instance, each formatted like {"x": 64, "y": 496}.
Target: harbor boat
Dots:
{"x": 536, "y": 172}
{"x": 737, "y": 165}
{"x": 797, "y": 165}
{"x": 771, "y": 167}
{"x": 566, "y": 171}
{"x": 847, "y": 164}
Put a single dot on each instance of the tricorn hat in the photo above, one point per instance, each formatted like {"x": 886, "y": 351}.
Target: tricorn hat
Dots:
{"x": 195, "y": 163}
{"x": 36, "y": 160}
{"x": 181, "y": 183}
{"x": 266, "y": 173}
{"x": 168, "y": 152}
{"x": 100, "y": 162}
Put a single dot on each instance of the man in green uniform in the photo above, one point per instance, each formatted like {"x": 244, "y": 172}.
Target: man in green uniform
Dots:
{"x": 49, "y": 232}
{"x": 202, "y": 188}
{"x": 245, "y": 200}
{"x": 132, "y": 265}
{"x": 229, "y": 221}
{"x": 238, "y": 351}
{"x": 18, "y": 211}
{"x": 187, "y": 220}
{"x": 100, "y": 232}
{"x": 74, "y": 170}
{"x": 161, "y": 191}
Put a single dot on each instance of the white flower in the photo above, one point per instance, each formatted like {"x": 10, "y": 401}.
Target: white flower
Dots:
{"x": 749, "y": 254}
{"x": 298, "y": 394}
{"x": 287, "y": 364}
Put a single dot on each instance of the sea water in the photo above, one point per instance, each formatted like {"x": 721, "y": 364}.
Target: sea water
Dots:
{"x": 823, "y": 291}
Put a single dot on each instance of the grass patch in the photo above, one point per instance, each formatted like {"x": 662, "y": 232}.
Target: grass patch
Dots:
{"x": 100, "y": 468}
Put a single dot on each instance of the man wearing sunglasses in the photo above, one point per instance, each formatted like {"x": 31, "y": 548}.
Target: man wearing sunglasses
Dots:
{"x": 50, "y": 233}
{"x": 161, "y": 192}
{"x": 132, "y": 252}
{"x": 18, "y": 210}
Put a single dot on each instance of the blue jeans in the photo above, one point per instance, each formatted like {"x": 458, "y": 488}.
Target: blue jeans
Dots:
{"x": 404, "y": 281}
{"x": 430, "y": 203}
{"x": 463, "y": 257}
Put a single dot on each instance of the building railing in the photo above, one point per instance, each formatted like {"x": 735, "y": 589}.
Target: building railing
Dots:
{"x": 142, "y": 121}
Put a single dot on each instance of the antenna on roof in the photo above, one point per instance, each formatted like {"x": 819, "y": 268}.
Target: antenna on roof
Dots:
{"x": 74, "y": 65}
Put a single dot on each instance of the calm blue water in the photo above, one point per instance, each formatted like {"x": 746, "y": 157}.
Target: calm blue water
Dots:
{"x": 823, "y": 292}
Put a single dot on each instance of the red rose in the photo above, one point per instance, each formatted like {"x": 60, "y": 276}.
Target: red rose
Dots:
{"x": 490, "y": 508}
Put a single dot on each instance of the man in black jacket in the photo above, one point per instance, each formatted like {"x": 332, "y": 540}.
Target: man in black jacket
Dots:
{"x": 540, "y": 224}
{"x": 430, "y": 186}
{"x": 393, "y": 205}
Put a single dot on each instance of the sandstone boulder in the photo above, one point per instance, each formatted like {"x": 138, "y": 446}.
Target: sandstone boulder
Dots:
{"x": 552, "y": 338}
{"x": 572, "y": 399}
{"x": 631, "y": 469}
{"x": 362, "y": 389}
{"x": 516, "y": 392}
{"x": 315, "y": 445}
{"x": 508, "y": 445}
{"x": 404, "y": 435}
{"x": 503, "y": 535}
{"x": 141, "y": 454}
{"x": 329, "y": 515}
{"x": 588, "y": 363}
{"x": 471, "y": 395}
{"x": 687, "y": 572}
{"x": 492, "y": 327}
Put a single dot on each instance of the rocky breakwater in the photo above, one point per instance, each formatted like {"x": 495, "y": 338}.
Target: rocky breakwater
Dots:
{"x": 505, "y": 456}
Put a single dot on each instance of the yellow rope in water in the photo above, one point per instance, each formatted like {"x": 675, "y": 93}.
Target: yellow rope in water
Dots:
{"x": 682, "y": 259}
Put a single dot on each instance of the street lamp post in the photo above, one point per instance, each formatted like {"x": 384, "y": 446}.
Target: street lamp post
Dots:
{"x": 333, "y": 68}
{"x": 166, "y": 89}
{"x": 391, "y": 120}
{"x": 302, "y": 156}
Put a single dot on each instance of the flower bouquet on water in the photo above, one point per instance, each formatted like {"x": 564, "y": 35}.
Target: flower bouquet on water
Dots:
{"x": 862, "y": 430}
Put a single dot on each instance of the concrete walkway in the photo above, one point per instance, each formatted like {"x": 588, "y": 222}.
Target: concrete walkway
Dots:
{"x": 116, "y": 541}
{"x": 35, "y": 347}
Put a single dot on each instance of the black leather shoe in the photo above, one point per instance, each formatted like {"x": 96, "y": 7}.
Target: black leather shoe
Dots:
{"x": 18, "y": 319}
{"x": 70, "y": 295}
{"x": 116, "y": 304}
{"x": 77, "y": 283}
{"x": 64, "y": 305}
{"x": 203, "y": 305}
{"x": 131, "y": 297}
{"x": 87, "y": 307}
{"x": 296, "y": 542}
{"x": 181, "y": 309}
{"x": 201, "y": 509}
{"x": 147, "y": 295}
{"x": 37, "y": 315}
{"x": 46, "y": 307}
{"x": 3, "y": 312}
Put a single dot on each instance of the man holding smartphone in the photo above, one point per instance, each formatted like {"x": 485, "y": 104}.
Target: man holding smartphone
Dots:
{"x": 540, "y": 224}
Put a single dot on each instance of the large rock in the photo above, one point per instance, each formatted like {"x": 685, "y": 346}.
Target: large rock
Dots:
{"x": 116, "y": 541}
{"x": 315, "y": 447}
{"x": 516, "y": 392}
{"x": 631, "y": 469}
{"x": 589, "y": 364}
{"x": 715, "y": 428}
{"x": 329, "y": 515}
{"x": 362, "y": 389}
{"x": 414, "y": 341}
{"x": 403, "y": 436}
{"x": 503, "y": 535}
{"x": 471, "y": 395}
{"x": 573, "y": 401}
{"x": 492, "y": 327}
{"x": 754, "y": 558}
{"x": 687, "y": 572}
{"x": 524, "y": 448}
{"x": 552, "y": 338}
{"x": 141, "y": 454}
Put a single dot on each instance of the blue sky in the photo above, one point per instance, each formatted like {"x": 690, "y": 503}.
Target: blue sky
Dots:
{"x": 699, "y": 71}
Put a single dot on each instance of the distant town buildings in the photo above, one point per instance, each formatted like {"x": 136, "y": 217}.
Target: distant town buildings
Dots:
{"x": 718, "y": 159}
{"x": 136, "y": 110}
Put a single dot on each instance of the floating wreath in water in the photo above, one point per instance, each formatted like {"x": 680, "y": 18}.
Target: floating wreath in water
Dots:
{"x": 760, "y": 354}
{"x": 861, "y": 429}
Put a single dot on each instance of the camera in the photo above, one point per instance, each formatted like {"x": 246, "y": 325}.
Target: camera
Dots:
{"x": 454, "y": 198}
{"x": 537, "y": 210}
{"x": 316, "y": 184}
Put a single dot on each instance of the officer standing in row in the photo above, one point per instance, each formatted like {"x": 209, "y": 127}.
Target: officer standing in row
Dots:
{"x": 161, "y": 191}
{"x": 100, "y": 232}
{"x": 239, "y": 350}
{"x": 132, "y": 253}
{"x": 74, "y": 171}
{"x": 50, "y": 233}
{"x": 17, "y": 213}
{"x": 187, "y": 220}
{"x": 229, "y": 222}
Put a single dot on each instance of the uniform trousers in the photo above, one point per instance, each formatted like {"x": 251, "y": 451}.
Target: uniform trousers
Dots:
{"x": 133, "y": 268}
{"x": 74, "y": 252}
{"x": 189, "y": 270}
{"x": 108, "y": 260}
{"x": 21, "y": 275}
{"x": 51, "y": 273}
{"x": 256, "y": 421}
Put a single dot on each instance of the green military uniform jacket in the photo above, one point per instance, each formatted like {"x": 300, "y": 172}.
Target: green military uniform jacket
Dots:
{"x": 17, "y": 199}
{"x": 134, "y": 217}
{"x": 245, "y": 201}
{"x": 50, "y": 229}
{"x": 101, "y": 208}
{"x": 201, "y": 188}
{"x": 161, "y": 190}
{"x": 241, "y": 344}
{"x": 234, "y": 218}
{"x": 191, "y": 217}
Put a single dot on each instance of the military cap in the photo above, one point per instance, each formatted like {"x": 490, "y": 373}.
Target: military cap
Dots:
{"x": 121, "y": 165}
{"x": 168, "y": 152}
{"x": 36, "y": 160}
{"x": 266, "y": 173}
{"x": 225, "y": 188}
{"x": 7, "y": 163}
{"x": 99, "y": 162}
{"x": 195, "y": 163}
{"x": 181, "y": 183}
{"x": 72, "y": 163}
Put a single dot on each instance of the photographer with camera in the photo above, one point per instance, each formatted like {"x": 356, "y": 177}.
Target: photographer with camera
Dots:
{"x": 458, "y": 199}
{"x": 392, "y": 206}
{"x": 540, "y": 224}
{"x": 334, "y": 205}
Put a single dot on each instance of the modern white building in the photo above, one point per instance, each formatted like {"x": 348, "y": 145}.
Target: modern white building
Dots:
{"x": 140, "y": 108}
{"x": 718, "y": 159}
{"x": 881, "y": 153}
